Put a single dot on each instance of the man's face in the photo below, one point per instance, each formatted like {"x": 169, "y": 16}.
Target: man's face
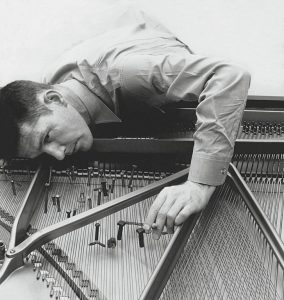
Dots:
{"x": 62, "y": 132}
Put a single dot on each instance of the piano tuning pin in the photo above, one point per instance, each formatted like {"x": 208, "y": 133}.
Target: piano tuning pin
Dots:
{"x": 46, "y": 197}
{"x": 37, "y": 265}
{"x": 112, "y": 185}
{"x": 104, "y": 186}
{"x": 81, "y": 199}
{"x": 89, "y": 175}
{"x": 58, "y": 203}
{"x": 141, "y": 232}
{"x": 44, "y": 273}
{"x": 82, "y": 196}
{"x": 122, "y": 174}
{"x": 121, "y": 225}
{"x": 13, "y": 187}
{"x": 99, "y": 197}
{"x": 89, "y": 202}
{"x": 95, "y": 164}
{"x": 50, "y": 175}
{"x": 73, "y": 173}
{"x": 134, "y": 167}
{"x": 97, "y": 225}
{"x": 53, "y": 200}
{"x": 38, "y": 275}
{"x": 68, "y": 213}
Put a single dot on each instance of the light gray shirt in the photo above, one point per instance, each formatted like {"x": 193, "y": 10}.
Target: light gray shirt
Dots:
{"x": 141, "y": 58}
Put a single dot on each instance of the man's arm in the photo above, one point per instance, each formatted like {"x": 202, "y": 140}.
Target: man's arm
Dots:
{"x": 221, "y": 90}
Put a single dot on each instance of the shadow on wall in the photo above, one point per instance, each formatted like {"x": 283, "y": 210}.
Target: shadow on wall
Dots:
{"x": 34, "y": 33}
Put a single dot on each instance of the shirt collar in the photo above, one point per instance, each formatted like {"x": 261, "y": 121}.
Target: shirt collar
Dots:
{"x": 92, "y": 109}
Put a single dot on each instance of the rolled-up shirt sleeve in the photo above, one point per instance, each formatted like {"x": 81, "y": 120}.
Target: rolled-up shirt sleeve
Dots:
{"x": 221, "y": 89}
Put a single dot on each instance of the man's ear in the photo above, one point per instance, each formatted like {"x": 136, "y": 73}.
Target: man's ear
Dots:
{"x": 53, "y": 96}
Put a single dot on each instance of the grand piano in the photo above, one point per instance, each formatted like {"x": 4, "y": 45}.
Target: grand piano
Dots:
{"x": 73, "y": 230}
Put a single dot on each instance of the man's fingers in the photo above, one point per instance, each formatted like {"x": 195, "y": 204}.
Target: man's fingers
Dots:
{"x": 152, "y": 214}
{"x": 162, "y": 217}
{"x": 172, "y": 214}
{"x": 185, "y": 213}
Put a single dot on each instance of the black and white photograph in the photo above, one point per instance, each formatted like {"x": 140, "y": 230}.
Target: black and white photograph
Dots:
{"x": 141, "y": 150}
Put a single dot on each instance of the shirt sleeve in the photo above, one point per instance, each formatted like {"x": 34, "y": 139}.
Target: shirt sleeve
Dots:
{"x": 221, "y": 89}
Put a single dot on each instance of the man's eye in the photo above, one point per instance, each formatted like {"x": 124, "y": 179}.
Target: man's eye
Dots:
{"x": 46, "y": 139}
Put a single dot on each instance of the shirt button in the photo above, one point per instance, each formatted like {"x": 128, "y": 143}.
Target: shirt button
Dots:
{"x": 224, "y": 171}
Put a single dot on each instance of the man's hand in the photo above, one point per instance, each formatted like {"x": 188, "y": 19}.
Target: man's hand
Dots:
{"x": 175, "y": 204}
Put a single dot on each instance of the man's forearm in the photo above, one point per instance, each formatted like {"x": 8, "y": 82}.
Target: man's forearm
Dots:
{"x": 219, "y": 113}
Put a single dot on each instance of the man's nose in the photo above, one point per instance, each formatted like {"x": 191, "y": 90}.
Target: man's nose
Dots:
{"x": 55, "y": 150}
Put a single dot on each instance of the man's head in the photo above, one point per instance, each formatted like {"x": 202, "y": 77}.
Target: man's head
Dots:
{"x": 37, "y": 118}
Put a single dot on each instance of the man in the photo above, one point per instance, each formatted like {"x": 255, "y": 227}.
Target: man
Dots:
{"x": 136, "y": 64}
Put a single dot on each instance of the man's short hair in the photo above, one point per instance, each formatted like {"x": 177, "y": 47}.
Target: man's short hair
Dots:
{"x": 18, "y": 104}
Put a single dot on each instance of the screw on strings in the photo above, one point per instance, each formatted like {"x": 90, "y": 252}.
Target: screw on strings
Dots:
{"x": 58, "y": 203}
{"x": 82, "y": 198}
{"x": 73, "y": 173}
{"x": 134, "y": 167}
{"x": 89, "y": 175}
{"x": 141, "y": 232}
{"x": 112, "y": 185}
{"x": 122, "y": 174}
{"x": 121, "y": 225}
{"x": 46, "y": 197}
{"x": 68, "y": 213}
{"x": 50, "y": 175}
{"x": 89, "y": 202}
{"x": 104, "y": 186}
{"x": 13, "y": 188}
{"x": 97, "y": 231}
{"x": 68, "y": 172}
{"x": 99, "y": 197}
{"x": 53, "y": 198}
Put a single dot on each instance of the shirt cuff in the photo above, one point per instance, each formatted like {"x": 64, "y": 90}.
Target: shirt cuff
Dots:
{"x": 207, "y": 170}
